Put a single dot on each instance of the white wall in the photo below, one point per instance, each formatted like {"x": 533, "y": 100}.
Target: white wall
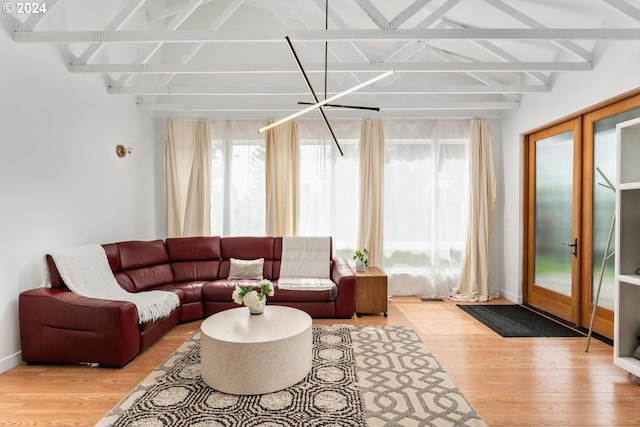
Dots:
{"x": 61, "y": 183}
{"x": 616, "y": 71}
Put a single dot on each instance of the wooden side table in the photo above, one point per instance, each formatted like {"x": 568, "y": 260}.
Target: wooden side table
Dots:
{"x": 371, "y": 291}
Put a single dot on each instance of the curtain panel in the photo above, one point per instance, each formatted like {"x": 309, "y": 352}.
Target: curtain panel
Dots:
{"x": 282, "y": 154}
{"x": 187, "y": 178}
{"x": 474, "y": 277}
{"x": 403, "y": 183}
{"x": 371, "y": 150}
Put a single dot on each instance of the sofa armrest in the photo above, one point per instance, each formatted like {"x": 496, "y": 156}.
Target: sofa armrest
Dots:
{"x": 345, "y": 279}
{"x": 58, "y": 326}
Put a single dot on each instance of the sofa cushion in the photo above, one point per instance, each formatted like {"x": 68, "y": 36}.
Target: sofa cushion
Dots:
{"x": 138, "y": 254}
{"x": 285, "y": 295}
{"x": 188, "y": 292}
{"x": 113, "y": 256}
{"x": 247, "y": 248}
{"x": 221, "y": 290}
{"x": 151, "y": 277}
{"x": 125, "y": 282}
{"x": 202, "y": 248}
{"x": 189, "y": 271}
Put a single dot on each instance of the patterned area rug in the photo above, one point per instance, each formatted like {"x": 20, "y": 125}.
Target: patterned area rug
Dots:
{"x": 361, "y": 376}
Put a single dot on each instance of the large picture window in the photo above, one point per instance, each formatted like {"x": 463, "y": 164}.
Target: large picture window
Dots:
{"x": 237, "y": 179}
{"x": 425, "y": 205}
{"x": 425, "y": 194}
{"x": 329, "y": 184}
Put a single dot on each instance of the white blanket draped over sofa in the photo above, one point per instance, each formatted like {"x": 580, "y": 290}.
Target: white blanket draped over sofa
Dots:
{"x": 85, "y": 270}
{"x": 305, "y": 263}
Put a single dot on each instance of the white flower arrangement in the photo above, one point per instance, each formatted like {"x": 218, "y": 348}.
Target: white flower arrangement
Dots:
{"x": 253, "y": 299}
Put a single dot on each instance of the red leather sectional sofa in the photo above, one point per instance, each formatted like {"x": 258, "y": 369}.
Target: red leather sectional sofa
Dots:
{"x": 58, "y": 326}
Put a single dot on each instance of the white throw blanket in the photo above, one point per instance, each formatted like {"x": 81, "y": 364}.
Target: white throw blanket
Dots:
{"x": 85, "y": 270}
{"x": 305, "y": 263}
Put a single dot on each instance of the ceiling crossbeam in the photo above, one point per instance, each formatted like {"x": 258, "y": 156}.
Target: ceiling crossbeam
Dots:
{"x": 346, "y": 35}
{"x": 34, "y": 19}
{"x": 271, "y": 107}
{"x": 171, "y": 26}
{"x": 625, "y": 8}
{"x": 433, "y": 17}
{"x": 217, "y": 23}
{"x": 118, "y": 22}
{"x": 527, "y": 20}
{"x": 501, "y": 54}
{"x": 425, "y": 89}
{"x": 283, "y": 68}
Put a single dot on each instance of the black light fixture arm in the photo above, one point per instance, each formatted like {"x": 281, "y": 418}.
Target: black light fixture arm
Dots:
{"x": 313, "y": 93}
{"x": 354, "y": 107}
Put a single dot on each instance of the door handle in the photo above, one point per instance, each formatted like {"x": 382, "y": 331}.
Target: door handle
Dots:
{"x": 573, "y": 245}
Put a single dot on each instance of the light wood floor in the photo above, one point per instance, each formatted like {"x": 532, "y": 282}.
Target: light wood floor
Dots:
{"x": 510, "y": 381}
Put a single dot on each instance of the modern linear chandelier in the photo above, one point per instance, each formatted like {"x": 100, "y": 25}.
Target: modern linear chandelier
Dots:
{"x": 327, "y": 101}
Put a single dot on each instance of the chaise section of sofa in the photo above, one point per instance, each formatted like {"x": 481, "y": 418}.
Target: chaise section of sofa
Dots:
{"x": 58, "y": 326}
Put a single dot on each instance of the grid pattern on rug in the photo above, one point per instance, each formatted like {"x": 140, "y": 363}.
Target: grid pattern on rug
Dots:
{"x": 403, "y": 384}
{"x": 361, "y": 376}
{"x": 175, "y": 395}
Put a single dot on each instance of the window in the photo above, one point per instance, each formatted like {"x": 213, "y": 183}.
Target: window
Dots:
{"x": 237, "y": 179}
{"x": 425, "y": 205}
{"x": 329, "y": 184}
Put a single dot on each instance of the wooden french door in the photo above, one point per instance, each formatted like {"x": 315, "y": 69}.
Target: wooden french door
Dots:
{"x": 554, "y": 249}
{"x": 569, "y": 209}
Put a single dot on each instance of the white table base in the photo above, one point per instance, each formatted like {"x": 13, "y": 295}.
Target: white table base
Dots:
{"x": 248, "y": 354}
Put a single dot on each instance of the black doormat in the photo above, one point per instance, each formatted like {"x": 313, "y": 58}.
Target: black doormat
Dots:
{"x": 512, "y": 320}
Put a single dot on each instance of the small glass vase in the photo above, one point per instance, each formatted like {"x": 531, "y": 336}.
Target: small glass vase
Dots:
{"x": 258, "y": 310}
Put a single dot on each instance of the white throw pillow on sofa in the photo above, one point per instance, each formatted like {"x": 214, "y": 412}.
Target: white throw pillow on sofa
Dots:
{"x": 246, "y": 268}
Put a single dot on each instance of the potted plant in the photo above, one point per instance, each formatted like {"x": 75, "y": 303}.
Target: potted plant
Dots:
{"x": 255, "y": 300}
{"x": 362, "y": 259}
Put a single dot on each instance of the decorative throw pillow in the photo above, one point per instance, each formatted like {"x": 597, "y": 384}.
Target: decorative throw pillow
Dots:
{"x": 246, "y": 268}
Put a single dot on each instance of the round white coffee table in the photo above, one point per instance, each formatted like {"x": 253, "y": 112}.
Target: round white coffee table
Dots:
{"x": 246, "y": 354}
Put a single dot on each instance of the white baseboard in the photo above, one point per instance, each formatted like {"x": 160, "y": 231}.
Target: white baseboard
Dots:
{"x": 10, "y": 362}
{"x": 512, "y": 297}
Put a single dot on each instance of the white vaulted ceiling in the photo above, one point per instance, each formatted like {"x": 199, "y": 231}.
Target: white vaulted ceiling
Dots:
{"x": 229, "y": 58}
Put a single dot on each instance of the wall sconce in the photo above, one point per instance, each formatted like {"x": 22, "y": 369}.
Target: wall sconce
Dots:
{"x": 122, "y": 151}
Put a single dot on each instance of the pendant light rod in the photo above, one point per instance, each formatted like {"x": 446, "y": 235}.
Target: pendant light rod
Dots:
{"x": 326, "y": 45}
{"x": 319, "y": 104}
{"x": 315, "y": 97}
{"x": 354, "y": 107}
{"x": 326, "y": 101}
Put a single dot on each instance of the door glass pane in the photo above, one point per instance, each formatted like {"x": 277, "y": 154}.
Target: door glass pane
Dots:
{"x": 553, "y": 207}
{"x": 604, "y": 203}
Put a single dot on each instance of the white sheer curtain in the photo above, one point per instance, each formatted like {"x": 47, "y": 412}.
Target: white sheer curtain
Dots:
{"x": 187, "y": 178}
{"x": 329, "y": 183}
{"x": 425, "y": 205}
{"x": 237, "y": 178}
